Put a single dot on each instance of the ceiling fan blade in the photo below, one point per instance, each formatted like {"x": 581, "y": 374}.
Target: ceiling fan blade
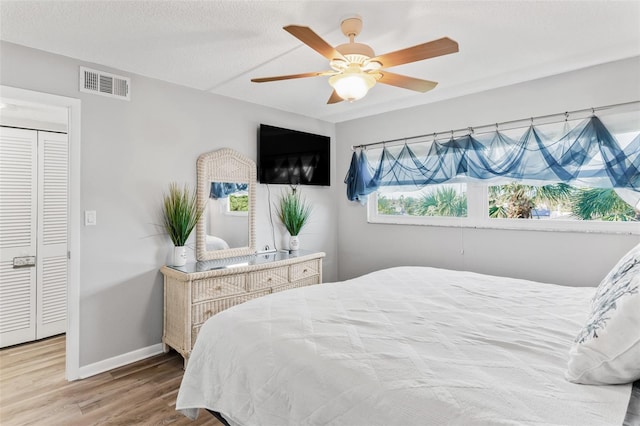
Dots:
{"x": 406, "y": 82}
{"x": 314, "y": 41}
{"x": 431, "y": 49}
{"x": 292, "y": 76}
{"x": 334, "y": 98}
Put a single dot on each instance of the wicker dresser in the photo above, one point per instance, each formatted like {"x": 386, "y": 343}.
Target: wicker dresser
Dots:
{"x": 196, "y": 291}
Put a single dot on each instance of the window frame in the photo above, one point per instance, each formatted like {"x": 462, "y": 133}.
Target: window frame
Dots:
{"x": 227, "y": 207}
{"x": 478, "y": 217}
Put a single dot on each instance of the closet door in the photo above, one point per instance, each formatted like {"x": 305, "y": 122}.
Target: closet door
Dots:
{"x": 53, "y": 210}
{"x": 18, "y": 210}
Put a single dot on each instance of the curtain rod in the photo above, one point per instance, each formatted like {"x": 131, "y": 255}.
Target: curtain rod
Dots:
{"x": 496, "y": 125}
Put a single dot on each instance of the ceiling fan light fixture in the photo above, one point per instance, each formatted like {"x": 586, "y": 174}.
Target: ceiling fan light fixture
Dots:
{"x": 354, "y": 66}
{"x": 352, "y": 86}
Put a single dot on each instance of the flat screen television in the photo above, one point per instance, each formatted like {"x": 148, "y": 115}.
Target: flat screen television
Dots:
{"x": 292, "y": 157}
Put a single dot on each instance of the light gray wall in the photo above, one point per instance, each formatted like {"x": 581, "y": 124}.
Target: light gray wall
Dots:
{"x": 227, "y": 226}
{"x": 131, "y": 151}
{"x": 578, "y": 259}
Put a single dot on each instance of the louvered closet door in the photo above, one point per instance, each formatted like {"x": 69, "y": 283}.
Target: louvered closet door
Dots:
{"x": 18, "y": 183}
{"x": 53, "y": 206}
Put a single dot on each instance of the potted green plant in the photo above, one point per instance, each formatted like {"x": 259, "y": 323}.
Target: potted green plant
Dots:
{"x": 180, "y": 214}
{"x": 294, "y": 212}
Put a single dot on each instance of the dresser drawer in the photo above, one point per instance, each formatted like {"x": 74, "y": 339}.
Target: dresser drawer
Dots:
{"x": 213, "y": 288}
{"x": 300, "y": 283}
{"x": 267, "y": 278}
{"x": 201, "y": 312}
{"x": 303, "y": 270}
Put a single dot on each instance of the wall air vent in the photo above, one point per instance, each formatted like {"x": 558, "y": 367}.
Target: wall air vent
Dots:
{"x": 105, "y": 84}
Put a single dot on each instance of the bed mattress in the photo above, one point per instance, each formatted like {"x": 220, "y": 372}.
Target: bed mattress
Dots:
{"x": 402, "y": 346}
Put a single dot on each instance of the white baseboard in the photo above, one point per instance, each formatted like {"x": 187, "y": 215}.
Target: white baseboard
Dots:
{"x": 119, "y": 361}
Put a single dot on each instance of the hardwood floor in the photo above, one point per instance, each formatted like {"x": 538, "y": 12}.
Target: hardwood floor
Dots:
{"x": 33, "y": 390}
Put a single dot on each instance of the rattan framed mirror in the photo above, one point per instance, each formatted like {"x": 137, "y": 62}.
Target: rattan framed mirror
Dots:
{"x": 227, "y": 194}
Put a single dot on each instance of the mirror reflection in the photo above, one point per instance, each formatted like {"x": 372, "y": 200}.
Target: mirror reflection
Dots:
{"x": 227, "y": 216}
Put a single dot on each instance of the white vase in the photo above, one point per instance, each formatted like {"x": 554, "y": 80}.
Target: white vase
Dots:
{"x": 294, "y": 243}
{"x": 179, "y": 255}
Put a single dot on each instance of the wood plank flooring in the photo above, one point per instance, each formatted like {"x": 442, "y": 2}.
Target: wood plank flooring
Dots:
{"x": 33, "y": 390}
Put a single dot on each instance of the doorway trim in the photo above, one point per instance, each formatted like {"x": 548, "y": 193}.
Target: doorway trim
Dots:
{"x": 73, "y": 106}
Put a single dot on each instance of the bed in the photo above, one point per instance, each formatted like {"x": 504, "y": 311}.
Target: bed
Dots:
{"x": 402, "y": 346}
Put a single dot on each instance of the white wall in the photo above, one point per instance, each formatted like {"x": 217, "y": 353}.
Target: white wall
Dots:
{"x": 131, "y": 151}
{"x": 577, "y": 259}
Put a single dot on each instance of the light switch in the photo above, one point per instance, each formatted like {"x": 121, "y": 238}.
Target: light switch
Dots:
{"x": 89, "y": 217}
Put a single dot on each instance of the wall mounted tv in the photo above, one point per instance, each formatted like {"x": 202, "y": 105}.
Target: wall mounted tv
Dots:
{"x": 292, "y": 157}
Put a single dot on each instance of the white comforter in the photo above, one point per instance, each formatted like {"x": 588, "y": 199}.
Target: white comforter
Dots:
{"x": 403, "y": 346}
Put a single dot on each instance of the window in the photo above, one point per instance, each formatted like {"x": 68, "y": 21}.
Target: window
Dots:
{"x": 446, "y": 200}
{"x": 558, "y": 202}
{"x": 508, "y": 206}
{"x": 554, "y": 176}
{"x": 238, "y": 203}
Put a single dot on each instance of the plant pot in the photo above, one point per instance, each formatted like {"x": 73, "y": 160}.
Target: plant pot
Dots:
{"x": 294, "y": 243}
{"x": 179, "y": 256}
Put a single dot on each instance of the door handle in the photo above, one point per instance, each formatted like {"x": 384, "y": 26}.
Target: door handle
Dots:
{"x": 24, "y": 261}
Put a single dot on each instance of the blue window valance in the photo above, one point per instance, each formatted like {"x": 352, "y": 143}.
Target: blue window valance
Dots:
{"x": 587, "y": 154}
{"x": 224, "y": 189}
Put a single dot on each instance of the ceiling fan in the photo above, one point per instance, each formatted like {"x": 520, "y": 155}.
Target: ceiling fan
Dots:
{"x": 355, "y": 68}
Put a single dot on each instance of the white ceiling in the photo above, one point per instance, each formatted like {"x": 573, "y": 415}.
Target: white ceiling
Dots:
{"x": 218, "y": 46}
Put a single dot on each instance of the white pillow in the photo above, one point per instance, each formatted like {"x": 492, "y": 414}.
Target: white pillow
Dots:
{"x": 607, "y": 349}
